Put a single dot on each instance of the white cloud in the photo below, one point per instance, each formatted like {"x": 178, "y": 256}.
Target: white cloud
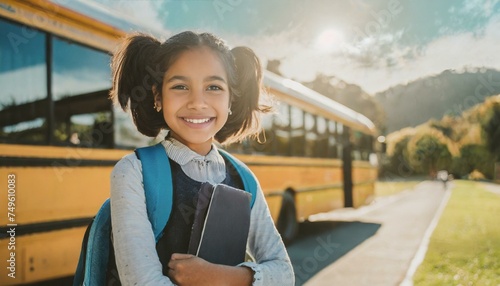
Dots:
{"x": 483, "y": 8}
{"x": 448, "y": 52}
{"x": 376, "y": 64}
{"x": 142, "y": 13}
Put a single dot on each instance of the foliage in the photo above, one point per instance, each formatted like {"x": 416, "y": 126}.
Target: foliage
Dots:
{"x": 396, "y": 150}
{"x": 458, "y": 144}
{"x": 492, "y": 126}
{"x": 473, "y": 157}
{"x": 475, "y": 175}
{"x": 428, "y": 153}
{"x": 444, "y": 126}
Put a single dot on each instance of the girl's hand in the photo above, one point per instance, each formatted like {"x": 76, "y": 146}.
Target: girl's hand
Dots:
{"x": 187, "y": 269}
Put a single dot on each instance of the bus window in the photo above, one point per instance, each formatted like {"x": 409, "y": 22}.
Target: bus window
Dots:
{"x": 339, "y": 137}
{"x": 356, "y": 138}
{"x": 264, "y": 143}
{"x": 340, "y": 129}
{"x": 126, "y": 135}
{"x": 89, "y": 130}
{"x": 311, "y": 136}
{"x": 366, "y": 147}
{"x": 362, "y": 146}
{"x": 281, "y": 126}
{"x": 78, "y": 70}
{"x": 80, "y": 87}
{"x": 333, "y": 142}
{"x": 297, "y": 139}
{"x": 322, "y": 142}
{"x": 23, "y": 104}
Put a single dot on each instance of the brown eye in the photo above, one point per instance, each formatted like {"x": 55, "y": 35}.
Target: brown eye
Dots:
{"x": 214, "y": 87}
{"x": 179, "y": 87}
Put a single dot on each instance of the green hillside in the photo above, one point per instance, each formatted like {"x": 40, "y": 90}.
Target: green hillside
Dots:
{"x": 449, "y": 93}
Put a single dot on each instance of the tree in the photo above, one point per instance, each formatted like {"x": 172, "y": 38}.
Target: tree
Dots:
{"x": 473, "y": 157}
{"x": 427, "y": 152}
{"x": 397, "y": 163}
{"x": 492, "y": 130}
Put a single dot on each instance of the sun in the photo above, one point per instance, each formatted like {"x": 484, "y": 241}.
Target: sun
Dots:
{"x": 329, "y": 40}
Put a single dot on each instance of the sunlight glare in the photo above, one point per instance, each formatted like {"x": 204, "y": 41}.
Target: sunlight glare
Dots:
{"x": 329, "y": 40}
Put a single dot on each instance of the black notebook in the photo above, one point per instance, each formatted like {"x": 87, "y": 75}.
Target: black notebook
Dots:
{"x": 221, "y": 224}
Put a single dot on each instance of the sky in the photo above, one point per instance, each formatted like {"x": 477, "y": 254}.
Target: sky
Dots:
{"x": 375, "y": 44}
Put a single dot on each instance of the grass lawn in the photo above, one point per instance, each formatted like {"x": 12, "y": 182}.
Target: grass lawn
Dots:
{"x": 388, "y": 188}
{"x": 465, "y": 246}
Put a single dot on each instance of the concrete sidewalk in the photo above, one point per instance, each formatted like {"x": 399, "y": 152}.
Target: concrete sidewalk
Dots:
{"x": 384, "y": 258}
{"x": 494, "y": 188}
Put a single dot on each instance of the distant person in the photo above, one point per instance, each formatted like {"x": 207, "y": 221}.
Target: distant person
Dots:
{"x": 201, "y": 91}
{"x": 443, "y": 177}
{"x": 74, "y": 139}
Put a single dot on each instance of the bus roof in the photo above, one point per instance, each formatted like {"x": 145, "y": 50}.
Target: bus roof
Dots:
{"x": 297, "y": 90}
{"x": 113, "y": 18}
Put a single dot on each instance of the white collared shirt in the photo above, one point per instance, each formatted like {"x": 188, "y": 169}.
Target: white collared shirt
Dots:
{"x": 210, "y": 168}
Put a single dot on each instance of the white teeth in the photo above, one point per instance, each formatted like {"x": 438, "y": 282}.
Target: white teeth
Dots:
{"x": 197, "y": 121}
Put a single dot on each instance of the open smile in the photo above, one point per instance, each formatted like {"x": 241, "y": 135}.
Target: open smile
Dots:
{"x": 198, "y": 120}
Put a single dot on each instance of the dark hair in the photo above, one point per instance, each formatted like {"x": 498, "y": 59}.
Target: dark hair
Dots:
{"x": 141, "y": 62}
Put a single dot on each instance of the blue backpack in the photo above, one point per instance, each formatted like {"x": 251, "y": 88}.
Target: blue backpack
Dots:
{"x": 94, "y": 255}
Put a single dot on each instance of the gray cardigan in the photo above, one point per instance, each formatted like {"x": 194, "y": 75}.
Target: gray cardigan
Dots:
{"x": 133, "y": 239}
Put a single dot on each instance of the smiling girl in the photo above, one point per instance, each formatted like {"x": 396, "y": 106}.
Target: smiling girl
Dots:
{"x": 199, "y": 90}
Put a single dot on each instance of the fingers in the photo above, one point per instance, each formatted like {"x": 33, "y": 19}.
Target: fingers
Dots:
{"x": 180, "y": 267}
{"x": 179, "y": 256}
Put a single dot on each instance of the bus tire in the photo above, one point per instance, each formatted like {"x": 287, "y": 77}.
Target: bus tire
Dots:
{"x": 287, "y": 221}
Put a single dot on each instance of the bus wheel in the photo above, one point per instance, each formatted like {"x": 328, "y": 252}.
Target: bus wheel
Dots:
{"x": 287, "y": 221}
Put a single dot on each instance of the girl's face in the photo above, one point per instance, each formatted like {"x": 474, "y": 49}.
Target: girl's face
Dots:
{"x": 195, "y": 99}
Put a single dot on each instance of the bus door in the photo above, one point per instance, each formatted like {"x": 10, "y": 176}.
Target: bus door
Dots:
{"x": 347, "y": 167}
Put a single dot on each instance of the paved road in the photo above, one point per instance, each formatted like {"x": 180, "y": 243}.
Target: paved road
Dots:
{"x": 370, "y": 246}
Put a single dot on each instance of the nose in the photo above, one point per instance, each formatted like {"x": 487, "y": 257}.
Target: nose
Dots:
{"x": 197, "y": 99}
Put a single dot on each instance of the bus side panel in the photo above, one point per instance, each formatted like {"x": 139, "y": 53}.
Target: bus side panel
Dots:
{"x": 314, "y": 202}
{"x": 307, "y": 181}
{"x": 45, "y": 194}
{"x": 273, "y": 180}
{"x": 364, "y": 178}
{"x": 42, "y": 256}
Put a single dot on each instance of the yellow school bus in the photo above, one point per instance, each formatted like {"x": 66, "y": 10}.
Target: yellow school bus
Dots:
{"x": 60, "y": 137}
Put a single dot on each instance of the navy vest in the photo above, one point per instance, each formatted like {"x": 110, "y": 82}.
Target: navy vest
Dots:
{"x": 176, "y": 233}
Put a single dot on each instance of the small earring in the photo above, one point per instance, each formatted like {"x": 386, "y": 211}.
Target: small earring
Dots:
{"x": 229, "y": 111}
{"x": 157, "y": 107}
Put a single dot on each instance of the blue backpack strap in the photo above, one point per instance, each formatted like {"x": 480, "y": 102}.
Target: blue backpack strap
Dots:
{"x": 157, "y": 178}
{"x": 248, "y": 178}
{"x": 158, "y": 188}
{"x": 92, "y": 271}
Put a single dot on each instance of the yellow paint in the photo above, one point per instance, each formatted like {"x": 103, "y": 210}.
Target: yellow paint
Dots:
{"x": 71, "y": 155}
{"x": 42, "y": 256}
{"x": 63, "y": 22}
{"x": 309, "y": 203}
{"x": 50, "y": 194}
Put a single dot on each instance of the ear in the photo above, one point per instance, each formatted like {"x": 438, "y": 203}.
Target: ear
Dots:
{"x": 157, "y": 95}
